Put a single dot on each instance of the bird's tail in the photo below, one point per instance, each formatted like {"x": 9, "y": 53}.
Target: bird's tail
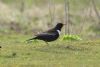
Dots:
{"x": 30, "y": 39}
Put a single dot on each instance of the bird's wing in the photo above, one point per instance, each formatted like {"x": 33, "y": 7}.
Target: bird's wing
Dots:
{"x": 45, "y": 34}
{"x": 50, "y": 31}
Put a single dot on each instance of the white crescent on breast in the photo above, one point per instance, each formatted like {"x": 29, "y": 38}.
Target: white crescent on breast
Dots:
{"x": 58, "y": 32}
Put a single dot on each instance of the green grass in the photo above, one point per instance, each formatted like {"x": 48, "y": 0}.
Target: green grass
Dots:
{"x": 15, "y": 52}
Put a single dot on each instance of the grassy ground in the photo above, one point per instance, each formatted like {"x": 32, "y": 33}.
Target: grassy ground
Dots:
{"x": 15, "y": 52}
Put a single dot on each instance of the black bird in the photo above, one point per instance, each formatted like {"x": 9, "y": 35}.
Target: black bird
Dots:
{"x": 49, "y": 35}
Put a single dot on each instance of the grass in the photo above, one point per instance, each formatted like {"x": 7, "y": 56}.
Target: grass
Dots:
{"x": 15, "y": 52}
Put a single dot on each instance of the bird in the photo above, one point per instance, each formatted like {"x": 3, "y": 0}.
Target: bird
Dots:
{"x": 50, "y": 35}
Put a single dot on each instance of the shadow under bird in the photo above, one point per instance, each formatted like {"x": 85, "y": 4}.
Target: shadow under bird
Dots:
{"x": 50, "y": 35}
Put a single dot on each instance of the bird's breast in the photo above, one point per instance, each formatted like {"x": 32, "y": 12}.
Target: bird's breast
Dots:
{"x": 58, "y": 32}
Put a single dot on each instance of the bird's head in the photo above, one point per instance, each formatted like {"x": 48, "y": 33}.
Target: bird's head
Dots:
{"x": 59, "y": 26}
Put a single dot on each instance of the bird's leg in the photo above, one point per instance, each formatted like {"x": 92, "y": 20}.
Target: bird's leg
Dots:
{"x": 46, "y": 43}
